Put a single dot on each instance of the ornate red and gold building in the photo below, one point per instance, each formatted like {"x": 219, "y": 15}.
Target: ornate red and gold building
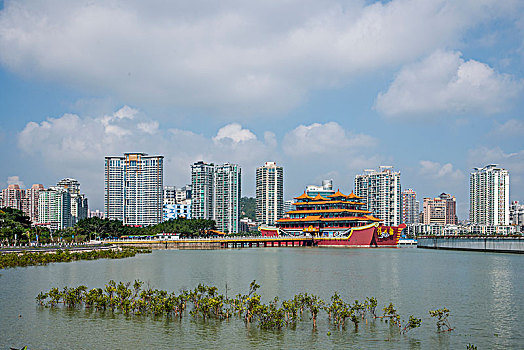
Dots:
{"x": 337, "y": 219}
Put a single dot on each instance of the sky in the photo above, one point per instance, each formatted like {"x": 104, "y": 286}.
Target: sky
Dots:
{"x": 324, "y": 88}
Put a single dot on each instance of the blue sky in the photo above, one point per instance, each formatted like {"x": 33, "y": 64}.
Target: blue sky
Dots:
{"x": 326, "y": 89}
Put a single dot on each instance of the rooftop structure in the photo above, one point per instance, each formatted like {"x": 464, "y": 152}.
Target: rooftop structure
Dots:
{"x": 329, "y": 216}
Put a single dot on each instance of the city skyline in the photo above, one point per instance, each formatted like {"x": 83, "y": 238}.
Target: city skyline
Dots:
{"x": 433, "y": 88}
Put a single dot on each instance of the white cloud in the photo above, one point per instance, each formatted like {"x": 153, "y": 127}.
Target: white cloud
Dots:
{"x": 329, "y": 138}
{"x": 512, "y": 127}
{"x": 148, "y": 127}
{"x": 235, "y": 133}
{"x": 446, "y": 83}
{"x": 435, "y": 170}
{"x": 15, "y": 180}
{"x": 229, "y": 55}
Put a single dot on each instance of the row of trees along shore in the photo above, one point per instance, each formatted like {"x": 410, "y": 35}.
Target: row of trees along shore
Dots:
{"x": 16, "y": 228}
{"x": 205, "y": 302}
{"x": 11, "y": 260}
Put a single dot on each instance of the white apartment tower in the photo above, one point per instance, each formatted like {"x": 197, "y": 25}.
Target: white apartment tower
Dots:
{"x": 382, "y": 193}
{"x": 54, "y": 208}
{"x": 226, "y": 195}
{"x": 202, "y": 175}
{"x": 410, "y": 207}
{"x": 215, "y": 194}
{"x": 133, "y": 191}
{"x": 489, "y": 196}
{"x": 269, "y": 193}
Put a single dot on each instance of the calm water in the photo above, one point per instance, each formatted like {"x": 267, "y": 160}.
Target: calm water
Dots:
{"x": 484, "y": 291}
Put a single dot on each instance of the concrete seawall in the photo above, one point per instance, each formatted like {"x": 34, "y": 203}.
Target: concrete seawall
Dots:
{"x": 482, "y": 244}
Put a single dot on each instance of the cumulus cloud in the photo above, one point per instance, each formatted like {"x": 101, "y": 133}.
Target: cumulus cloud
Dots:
{"x": 512, "y": 127}
{"x": 229, "y": 55}
{"x": 328, "y": 138}
{"x": 435, "y": 170}
{"x": 482, "y": 156}
{"x": 148, "y": 127}
{"x": 15, "y": 180}
{"x": 235, "y": 133}
{"x": 445, "y": 82}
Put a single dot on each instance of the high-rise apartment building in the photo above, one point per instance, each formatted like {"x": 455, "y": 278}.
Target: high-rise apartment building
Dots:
{"x": 54, "y": 208}
{"x": 202, "y": 175}
{"x": 410, "y": 207}
{"x": 381, "y": 191}
{"x": 227, "y": 191}
{"x": 79, "y": 203}
{"x": 14, "y": 197}
{"x": 441, "y": 210}
{"x": 26, "y": 200}
{"x": 451, "y": 208}
{"x": 133, "y": 191}
{"x": 215, "y": 194}
{"x": 489, "y": 196}
{"x": 269, "y": 193}
{"x": 32, "y": 201}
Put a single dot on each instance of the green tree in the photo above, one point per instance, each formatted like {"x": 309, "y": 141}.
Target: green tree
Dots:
{"x": 248, "y": 206}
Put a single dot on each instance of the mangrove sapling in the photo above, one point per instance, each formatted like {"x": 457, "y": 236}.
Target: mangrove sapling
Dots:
{"x": 54, "y": 296}
{"x": 314, "y": 304}
{"x": 442, "y": 319}
{"x": 41, "y": 297}
{"x": 371, "y": 304}
{"x": 413, "y": 322}
{"x": 391, "y": 313}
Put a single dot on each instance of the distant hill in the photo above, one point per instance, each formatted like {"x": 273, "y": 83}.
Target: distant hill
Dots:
{"x": 248, "y": 207}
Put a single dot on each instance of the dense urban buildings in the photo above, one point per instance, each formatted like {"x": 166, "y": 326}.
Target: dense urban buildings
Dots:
{"x": 177, "y": 210}
{"x": 216, "y": 191}
{"x": 26, "y": 200}
{"x": 381, "y": 191}
{"x": 269, "y": 193}
{"x": 410, "y": 207}
{"x": 489, "y": 196}
{"x": 133, "y": 191}
{"x": 441, "y": 210}
{"x": 96, "y": 214}
{"x": 13, "y": 197}
{"x": 325, "y": 190}
{"x": 79, "y": 205}
{"x": 174, "y": 195}
{"x": 516, "y": 214}
{"x": 177, "y": 202}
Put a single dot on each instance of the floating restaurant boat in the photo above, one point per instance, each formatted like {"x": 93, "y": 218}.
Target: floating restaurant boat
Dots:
{"x": 336, "y": 220}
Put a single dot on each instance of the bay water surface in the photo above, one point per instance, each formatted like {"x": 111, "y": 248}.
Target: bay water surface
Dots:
{"x": 484, "y": 292}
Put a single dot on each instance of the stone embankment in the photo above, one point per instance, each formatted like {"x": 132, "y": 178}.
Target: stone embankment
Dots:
{"x": 499, "y": 244}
